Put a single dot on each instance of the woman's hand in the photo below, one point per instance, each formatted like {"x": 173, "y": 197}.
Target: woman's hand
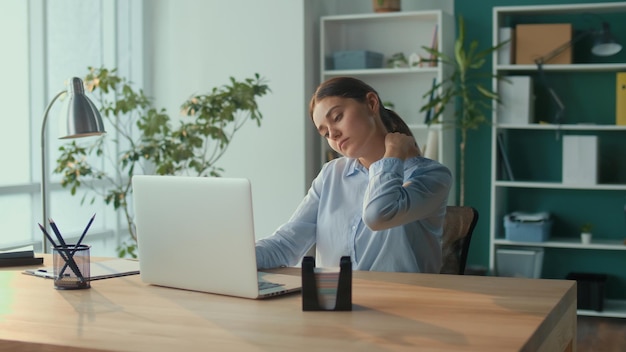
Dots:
{"x": 399, "y": 145}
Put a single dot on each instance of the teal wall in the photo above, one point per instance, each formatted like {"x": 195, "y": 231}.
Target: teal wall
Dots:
{"x": 478, "y": 22}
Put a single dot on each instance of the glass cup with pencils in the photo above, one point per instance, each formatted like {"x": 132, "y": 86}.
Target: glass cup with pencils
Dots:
{"x": 71, "y": 262}
{"x": 71, "y": 266}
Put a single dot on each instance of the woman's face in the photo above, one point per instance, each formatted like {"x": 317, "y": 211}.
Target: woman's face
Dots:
{"x": 348, "y": 125}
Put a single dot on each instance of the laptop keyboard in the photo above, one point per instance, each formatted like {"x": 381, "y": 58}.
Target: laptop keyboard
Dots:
{"x": 264, "y": 285}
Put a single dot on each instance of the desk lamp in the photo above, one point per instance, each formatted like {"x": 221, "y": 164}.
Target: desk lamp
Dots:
{"x": 604, "y": 45}
{"x": 83, "y": 120}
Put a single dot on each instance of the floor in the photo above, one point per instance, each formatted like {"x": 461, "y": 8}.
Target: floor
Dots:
{"x": 601, "y": 334}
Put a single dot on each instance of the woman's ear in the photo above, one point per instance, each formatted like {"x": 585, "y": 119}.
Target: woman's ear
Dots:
{"x": 372, "y": 101}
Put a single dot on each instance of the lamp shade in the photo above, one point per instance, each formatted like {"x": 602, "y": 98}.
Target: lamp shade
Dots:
{"x": 604, "y": 43}
{"x": 83, "y": 118}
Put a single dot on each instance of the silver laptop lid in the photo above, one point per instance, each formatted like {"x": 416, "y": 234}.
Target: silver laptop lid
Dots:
{"x": 196, "y": 233}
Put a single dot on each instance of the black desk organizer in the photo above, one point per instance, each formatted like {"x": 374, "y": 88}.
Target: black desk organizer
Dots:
{"x": 310, "y": 300}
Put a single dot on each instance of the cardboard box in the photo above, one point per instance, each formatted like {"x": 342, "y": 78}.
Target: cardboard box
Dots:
{"x": 533, "y": 41}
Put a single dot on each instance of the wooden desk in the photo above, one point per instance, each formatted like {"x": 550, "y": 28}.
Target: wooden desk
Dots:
{"x": 391, "y": 311}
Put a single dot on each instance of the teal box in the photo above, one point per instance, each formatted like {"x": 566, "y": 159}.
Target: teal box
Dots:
{"x": 357, "y": 59}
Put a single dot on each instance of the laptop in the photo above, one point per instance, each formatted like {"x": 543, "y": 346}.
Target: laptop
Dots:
{"x": 197, "y": 233}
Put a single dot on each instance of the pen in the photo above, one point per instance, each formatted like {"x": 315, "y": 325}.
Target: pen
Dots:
{"x": 80, "y": 240}
{"x": 43, "y": 273}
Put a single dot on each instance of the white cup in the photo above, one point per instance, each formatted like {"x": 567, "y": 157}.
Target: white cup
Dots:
{"x": 585, "y": 238}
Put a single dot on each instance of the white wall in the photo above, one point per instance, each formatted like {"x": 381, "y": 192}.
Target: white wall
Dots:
{"x": 194, "y": 45}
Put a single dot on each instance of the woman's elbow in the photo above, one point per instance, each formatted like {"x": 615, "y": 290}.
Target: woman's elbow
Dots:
{"x": 375, "y": 220}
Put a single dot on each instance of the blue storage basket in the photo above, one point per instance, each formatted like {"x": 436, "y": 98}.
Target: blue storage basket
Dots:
{"x": 526, "y": 231}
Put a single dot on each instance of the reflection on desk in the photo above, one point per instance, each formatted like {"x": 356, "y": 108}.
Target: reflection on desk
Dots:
{"x": 391, "y": 311}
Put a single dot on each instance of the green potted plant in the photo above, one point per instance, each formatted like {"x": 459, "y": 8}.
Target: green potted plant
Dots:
{"x": 585, "y": 233}
{"x": 464, "y": 89}
{"x": 151, "y": 141}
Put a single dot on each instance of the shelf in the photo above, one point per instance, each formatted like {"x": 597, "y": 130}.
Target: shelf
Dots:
{"x": 563, "y": 127}
{"x": 541, "y": 189}
{"x": 405, "y": 90}
{"x": 561, "y": 9}
{"x": 423, "y": 126}
{"x": 613, "y": 308}
{"x": 558, "y": 185}
{"x": 565, "y": 68}
{"x": 571, "y": 243}
{"x": 428, "y": 15}
{"x": 382, "y": 71}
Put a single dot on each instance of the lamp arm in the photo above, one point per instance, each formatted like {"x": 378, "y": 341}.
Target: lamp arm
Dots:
{"x": 551, "y": 55}
{"x": 44, "y": 170}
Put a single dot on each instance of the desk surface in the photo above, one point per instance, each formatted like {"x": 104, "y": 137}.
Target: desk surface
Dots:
{"x": 391, "y": 311}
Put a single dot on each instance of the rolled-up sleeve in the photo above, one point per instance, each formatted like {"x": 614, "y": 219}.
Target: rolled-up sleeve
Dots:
{"x": 394, "y": 198}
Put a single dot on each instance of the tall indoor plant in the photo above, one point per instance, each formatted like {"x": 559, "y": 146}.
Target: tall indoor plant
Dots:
{"x": 151, "y": 141}
{"x": 464, "y": 89}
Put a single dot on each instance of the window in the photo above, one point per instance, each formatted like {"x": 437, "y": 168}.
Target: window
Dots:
{"x": 50, "y": 42}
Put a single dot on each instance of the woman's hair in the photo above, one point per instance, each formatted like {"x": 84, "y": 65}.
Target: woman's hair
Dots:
{"x": 349, "y": 87}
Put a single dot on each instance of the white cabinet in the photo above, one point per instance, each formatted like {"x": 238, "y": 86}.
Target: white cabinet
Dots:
{"x": 388, "y": 34}
{"x": 587, "y": 90}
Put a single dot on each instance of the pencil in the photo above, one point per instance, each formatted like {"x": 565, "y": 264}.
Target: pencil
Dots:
{"x": 80, "y": 240}
{"x": 63, "y": 248}
{"x": 62, "y": 253}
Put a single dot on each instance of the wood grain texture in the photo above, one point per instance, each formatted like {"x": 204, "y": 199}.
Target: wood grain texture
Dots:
{"x": 391, "y": 311}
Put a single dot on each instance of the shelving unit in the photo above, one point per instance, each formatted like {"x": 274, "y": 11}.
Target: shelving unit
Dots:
{"x": 390, "y": 33}
{"x": 535, "y": 152}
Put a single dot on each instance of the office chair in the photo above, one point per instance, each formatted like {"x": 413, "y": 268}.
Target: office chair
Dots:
{"x": 458, "y": 226}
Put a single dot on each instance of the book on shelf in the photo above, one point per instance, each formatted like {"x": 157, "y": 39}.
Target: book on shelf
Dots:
{"x": 580, "y": 160}
{"x": 506, "y": 53}
{"x": 518, "y": 100}
{"x": 432, "y": 62}
{"x": 620, "y": 99}
{"x": 504, "y": 160}
{"x": 431, "y": 111}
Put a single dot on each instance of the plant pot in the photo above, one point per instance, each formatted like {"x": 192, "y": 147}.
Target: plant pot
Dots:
{"x": 585, "y": 237}
{"x": 386, "y": 5}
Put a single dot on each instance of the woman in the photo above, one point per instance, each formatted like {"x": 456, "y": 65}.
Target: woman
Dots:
{"x": 382, "y": 204}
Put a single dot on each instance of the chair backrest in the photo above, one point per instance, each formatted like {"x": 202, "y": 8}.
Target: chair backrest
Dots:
{"x": 458, "y": 226}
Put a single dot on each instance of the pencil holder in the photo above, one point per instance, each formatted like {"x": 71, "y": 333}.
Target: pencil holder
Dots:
{"x": 71, "y": 267}
{"x": 325, "y": 289}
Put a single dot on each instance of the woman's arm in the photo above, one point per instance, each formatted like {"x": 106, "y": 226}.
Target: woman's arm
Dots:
{"x": 290, "y": 242}
{"x": 395, "y": 197}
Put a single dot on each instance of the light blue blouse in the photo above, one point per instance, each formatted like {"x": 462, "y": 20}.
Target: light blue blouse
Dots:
{"x": 387, "y": 218}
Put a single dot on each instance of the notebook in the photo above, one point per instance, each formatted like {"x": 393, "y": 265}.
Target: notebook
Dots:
{"x": 197, "y": 233}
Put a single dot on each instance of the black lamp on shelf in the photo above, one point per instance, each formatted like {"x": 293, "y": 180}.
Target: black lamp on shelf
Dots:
{"x": 604, "y": 44}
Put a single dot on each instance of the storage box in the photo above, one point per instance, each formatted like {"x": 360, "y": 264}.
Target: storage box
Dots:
{"x": 522, "y": 262}
{"x": 580, "y": 160}
{"x": 518, "y": 101}
{"x": 590, "y": 290}
{"x": 519, "y": 228}
{"x": 357, "y": 59}
{"x": 533, "y": 41}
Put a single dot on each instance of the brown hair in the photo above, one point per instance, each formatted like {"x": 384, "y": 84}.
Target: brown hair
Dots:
{"x": 352, "y": 88}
